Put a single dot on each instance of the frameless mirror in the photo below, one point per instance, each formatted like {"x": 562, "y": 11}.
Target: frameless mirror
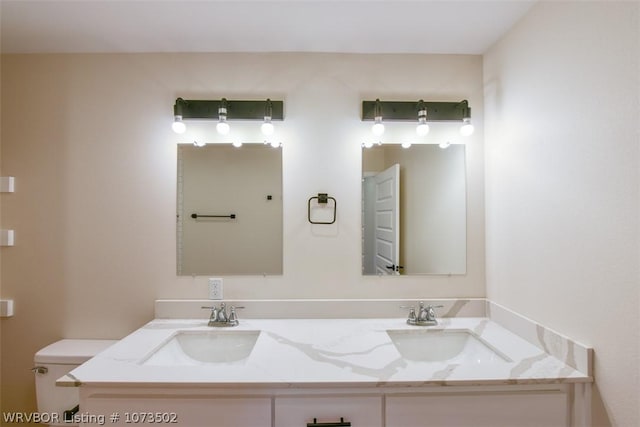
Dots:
{"x": 413, "y": 210}
{"x": 229, "y": 210}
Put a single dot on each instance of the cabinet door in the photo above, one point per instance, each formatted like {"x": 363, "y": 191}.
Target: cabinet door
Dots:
{"x": 181, "y": 411}
{"x": 519, "y": 409}
{"x": 360, "y": 411}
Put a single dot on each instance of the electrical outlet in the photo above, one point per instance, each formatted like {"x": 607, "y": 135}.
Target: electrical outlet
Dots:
{"x": 215, "y": 288}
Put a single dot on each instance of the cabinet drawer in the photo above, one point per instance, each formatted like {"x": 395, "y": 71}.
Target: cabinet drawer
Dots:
{"x": 519, "y": 409}
{"x": 360, "y": 411}
{"x": 183, "y": 411}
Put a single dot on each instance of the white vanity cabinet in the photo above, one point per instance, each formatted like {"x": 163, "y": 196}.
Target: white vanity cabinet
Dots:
{"x": 464, "y": 406}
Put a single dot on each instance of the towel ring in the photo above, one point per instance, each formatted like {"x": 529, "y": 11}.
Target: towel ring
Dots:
{"x": 323, "y": 199}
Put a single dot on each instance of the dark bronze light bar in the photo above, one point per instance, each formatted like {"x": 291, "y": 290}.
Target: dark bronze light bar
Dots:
{"x": 407, "y": 111}
{"x": 236, "y": 110}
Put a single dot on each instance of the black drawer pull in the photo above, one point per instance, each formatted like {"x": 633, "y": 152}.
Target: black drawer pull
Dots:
{"x": 69, "y": 415}
{"x": 342, "y": 423}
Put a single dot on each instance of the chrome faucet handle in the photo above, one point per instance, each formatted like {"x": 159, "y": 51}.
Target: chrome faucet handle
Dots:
{"x": 214, "y": 310}
{"x": 412, "y": 313}
{"x": 233, "y": 317}
{"x": 409, "y": 307}
{"x": 431, "y": 314}
{"x": 213, "y": 317}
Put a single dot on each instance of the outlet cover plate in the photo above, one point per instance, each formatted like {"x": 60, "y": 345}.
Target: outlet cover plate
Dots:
{"x": 215, "y": 288}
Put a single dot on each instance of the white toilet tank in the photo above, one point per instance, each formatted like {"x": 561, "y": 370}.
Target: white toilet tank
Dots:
{"x": 53, "y": 362}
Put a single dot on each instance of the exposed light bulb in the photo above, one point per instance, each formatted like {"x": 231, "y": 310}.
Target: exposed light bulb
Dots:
{"x": 467, "y": 128}
{"x": 237, "y": 144}
{"x": 199, "y": 144}
{"x": 368, "y": 144}
{"x": 378, "y": 127}
{"x": 267, "y": 127}
{"x": 178, "y": 125}
{"x": 444, "y": 145}
{"x": 223, "y": 128}
{"x": 422, "y": 129}
{"x": 406, "y": 144}
{"x": 275, "y": 144}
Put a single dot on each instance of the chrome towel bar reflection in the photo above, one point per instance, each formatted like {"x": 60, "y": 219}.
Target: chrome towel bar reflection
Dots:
{"x": 196, "y": 216}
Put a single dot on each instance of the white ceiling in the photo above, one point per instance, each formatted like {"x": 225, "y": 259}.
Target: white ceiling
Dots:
{"x": 351, "y": 26}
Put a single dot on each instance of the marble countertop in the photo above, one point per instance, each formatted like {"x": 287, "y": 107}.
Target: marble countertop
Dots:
{"x": 327, "y": 353}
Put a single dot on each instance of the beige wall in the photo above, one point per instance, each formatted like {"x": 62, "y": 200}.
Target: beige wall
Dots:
{"x": 88, "y": 139}
{"x": 561, "y": 99}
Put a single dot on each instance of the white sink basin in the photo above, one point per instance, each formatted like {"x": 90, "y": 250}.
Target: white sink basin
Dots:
{"x": 192, "y": 348}
{"x": 453, "y": 346}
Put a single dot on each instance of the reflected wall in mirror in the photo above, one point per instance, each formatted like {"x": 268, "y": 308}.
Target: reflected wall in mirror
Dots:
{"x": 413, "y": 210}
{"x": 216, "y": 182}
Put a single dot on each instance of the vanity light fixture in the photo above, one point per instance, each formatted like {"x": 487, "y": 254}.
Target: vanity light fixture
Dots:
{"x": 423, "y": 128}
{"x": 224, "y": 110}
{"x": 378, "y": 127}
{"x": 404, "y": 111}
{"x": 178, "y": 125}
{"x": 267, "y": 128}
{"x": 222, "y": 127}
{"x": 467, "y": 128}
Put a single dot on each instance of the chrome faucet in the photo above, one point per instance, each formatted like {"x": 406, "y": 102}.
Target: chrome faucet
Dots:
{"x": 426, "y": 315}
{"x": 220, "y": 318}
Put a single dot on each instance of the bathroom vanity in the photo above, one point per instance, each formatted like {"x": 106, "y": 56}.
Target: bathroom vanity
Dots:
{"x": 469, "y": 369}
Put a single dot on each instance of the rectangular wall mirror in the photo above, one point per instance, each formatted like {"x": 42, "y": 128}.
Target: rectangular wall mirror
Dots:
{"x": 413, "y": 210}
{"x": 229, "y": 210}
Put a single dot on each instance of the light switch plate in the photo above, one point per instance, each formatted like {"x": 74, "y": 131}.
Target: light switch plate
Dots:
{"x": 7, "y": 184}
{"x": 215, "y": 288}
{"x": 6, "y": 308}
{"x": 6, "y": 237}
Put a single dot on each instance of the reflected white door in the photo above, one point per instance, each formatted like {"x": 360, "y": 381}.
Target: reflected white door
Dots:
{"x": 387, "y": 221}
